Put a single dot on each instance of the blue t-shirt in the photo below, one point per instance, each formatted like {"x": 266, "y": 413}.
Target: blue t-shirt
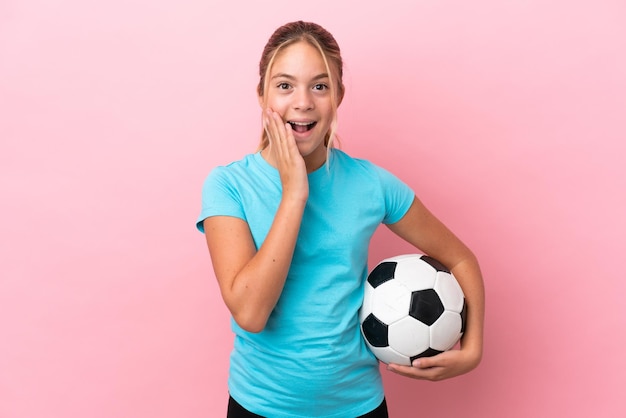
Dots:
{"x": 310, "y": 360}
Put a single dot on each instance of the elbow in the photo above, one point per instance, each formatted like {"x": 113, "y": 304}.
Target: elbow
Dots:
{"x": 251, "y": 322}
{"x": 253, "y": 328}
{"x": 249, "y": 313}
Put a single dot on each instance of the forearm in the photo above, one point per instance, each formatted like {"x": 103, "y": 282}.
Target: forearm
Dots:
{"x": 467, "y": 273}
{"x": 420, "y": 228}
{"x": 252, "y": 281}
{"x": 256, "y": 288}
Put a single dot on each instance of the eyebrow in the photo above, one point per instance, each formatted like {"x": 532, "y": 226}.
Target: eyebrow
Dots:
{"x": 290, "y": 77}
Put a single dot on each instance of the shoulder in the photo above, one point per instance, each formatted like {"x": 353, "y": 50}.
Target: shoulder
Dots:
{"x": 234, "y": 167}
{"x": 374, "y": 183}
{"x": 228, "y": 177}
{"x": 225, "y": 187}
{"x": 236, "y": 171}
{"x": 344, "y": 160}
{"x": 360, "y": 166}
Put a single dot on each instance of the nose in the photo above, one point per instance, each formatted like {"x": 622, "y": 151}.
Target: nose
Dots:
{"x": 303, "y": 100}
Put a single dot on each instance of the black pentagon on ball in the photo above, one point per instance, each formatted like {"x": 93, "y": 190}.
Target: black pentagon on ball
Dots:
{"x": 435, "y": 264}
{"x": 426, "y": 306}
{"x": 382, "y": 273}
{"x": 375, "y": 331}
{"x": 426, "y": 353}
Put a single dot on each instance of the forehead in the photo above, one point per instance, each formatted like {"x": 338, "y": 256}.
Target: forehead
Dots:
{"x": 298, "y": 59}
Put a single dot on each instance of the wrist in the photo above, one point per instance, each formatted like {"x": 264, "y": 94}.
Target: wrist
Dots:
{"x": 473, "y": 350}
{"x": 294, "y": 201}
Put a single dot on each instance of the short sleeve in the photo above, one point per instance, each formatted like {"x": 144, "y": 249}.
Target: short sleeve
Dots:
{"x": 397, "y": 194}
{"x": 220, "y": 197}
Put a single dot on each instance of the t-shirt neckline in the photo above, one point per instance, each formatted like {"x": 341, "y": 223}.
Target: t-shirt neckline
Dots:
{"x": 272, "y": 171}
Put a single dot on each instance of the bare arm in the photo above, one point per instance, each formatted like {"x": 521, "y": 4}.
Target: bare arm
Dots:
{"x": 251, "y": 281}
{"x": 423, "y": 230}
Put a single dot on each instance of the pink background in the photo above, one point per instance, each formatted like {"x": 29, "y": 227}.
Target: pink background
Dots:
{"x": 506, "y": 117}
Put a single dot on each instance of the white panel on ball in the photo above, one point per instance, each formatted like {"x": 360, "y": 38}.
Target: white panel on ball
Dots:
{"x": 449, "y": 292}
{"x": 391, "y": 301}
{"x": 389, "y": 355}
{"x": 409, "y": 336}
{"x": 446, "y": 331}
{"x": 416, "y": 274}
{"x": 366, "y": 306}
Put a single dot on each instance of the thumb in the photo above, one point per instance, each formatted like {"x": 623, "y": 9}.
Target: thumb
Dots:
{"x": 424, "y": 363}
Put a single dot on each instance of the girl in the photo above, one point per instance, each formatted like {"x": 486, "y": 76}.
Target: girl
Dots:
{"x": 288, "y": 230}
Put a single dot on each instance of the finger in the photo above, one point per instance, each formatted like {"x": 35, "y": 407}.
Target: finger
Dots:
{"x": 423, "y": 363}
{"x": 276, "y": 131}
{"x": 283, "y": 136}
{"x": 266, "y": 126}
{"x": 440, "y": 360}
{"x": 280, "y": 127}
{"x": 272, "y": 120}
{"x": 290, "y": 140}
{"x": 407, "y": 371}
{"x": 402, "y": 370}
{"x": 431, "y": 373}
{"x": 270, "y": 127}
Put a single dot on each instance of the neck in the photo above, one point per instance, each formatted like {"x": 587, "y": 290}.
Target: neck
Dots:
{"x": 312, "y": 161}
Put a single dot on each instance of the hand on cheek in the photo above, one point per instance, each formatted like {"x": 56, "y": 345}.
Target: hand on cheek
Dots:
{"x": 286, "y": 155}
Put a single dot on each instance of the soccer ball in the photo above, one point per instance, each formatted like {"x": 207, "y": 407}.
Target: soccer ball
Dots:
{"x": 412, "y": 307}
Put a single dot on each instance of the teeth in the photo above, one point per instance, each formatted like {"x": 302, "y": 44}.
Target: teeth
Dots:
{"x": 302, "y": 123}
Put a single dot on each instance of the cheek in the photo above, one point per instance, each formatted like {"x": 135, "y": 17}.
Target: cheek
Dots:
{"x": 328, "y": 112}
{"x": 277, "y": 103}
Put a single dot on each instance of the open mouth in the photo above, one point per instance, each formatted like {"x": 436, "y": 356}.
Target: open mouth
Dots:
{"x": 302, "y": 126}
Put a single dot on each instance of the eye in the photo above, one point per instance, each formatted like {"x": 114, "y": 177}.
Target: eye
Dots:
{"x": 283, "y": 86}
{"x": 320, "y": 87}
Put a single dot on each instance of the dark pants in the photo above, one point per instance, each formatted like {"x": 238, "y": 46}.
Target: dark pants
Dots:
{"x": 237, "y": 411}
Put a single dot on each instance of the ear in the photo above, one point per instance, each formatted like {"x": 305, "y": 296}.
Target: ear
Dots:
{"x": 341, "y": 90}
{"x": 261, "y": 101}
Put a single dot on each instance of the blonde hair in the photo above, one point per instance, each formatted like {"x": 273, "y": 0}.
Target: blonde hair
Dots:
{"x": 326, "y": 44}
